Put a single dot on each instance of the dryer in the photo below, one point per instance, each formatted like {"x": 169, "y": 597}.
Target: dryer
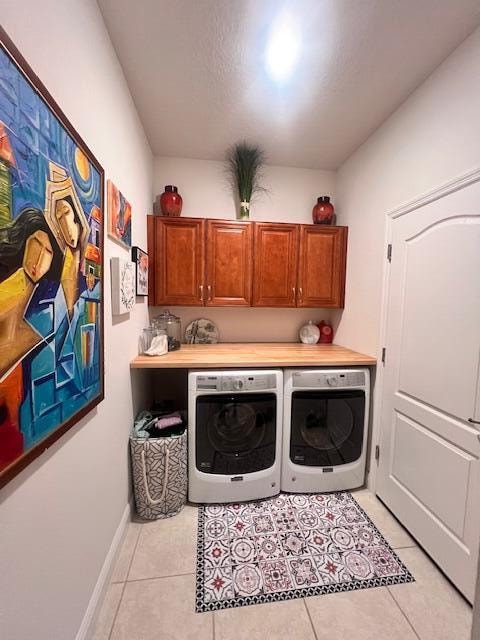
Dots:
{"x": 234, "y": 434}
{"x": 325, "y": 429}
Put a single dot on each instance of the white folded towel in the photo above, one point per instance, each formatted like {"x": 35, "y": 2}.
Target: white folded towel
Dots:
{"x": 159, "y": 346}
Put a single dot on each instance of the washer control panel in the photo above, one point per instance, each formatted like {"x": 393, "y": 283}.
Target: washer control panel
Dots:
{"x": 235, "y": 382}
{"x": 327, "y": 379}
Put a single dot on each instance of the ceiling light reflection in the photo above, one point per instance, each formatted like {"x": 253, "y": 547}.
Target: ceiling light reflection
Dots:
{"x": 283, "y": 48}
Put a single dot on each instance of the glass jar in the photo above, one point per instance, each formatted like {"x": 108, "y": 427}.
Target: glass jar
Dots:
{"x": 170, "y": 323}
{"x": 147, "y": 336}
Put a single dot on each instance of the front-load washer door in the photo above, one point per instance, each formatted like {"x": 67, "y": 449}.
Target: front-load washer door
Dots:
{"x": 327, "y": 427}
{"x": 235, "y": 433}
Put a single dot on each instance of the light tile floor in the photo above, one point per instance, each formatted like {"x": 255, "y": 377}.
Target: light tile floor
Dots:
{"x": 152, "y": 595}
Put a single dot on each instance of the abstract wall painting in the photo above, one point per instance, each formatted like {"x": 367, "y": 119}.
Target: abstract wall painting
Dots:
{"x": 123, "y": 285}
{"x": 140, "y": 258}
{"x": 119, "y": 216}
{"x": 51, "y": 269}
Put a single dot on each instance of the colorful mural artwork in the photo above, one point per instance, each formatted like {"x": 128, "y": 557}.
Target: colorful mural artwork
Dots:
{"x": 119, "y": 216}
{"x": 51, "y": 269}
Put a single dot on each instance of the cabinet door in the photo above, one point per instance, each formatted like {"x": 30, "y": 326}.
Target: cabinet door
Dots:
{"x": 179, "y": 260}
{"x": 321, "y": 268}
{"x": 151, "y": 259}
{"x": 275, "y": 265}
{"x": 229, "y": 263}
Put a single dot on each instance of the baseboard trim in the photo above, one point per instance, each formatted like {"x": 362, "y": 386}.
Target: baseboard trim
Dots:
{"x": 98, "y": 593}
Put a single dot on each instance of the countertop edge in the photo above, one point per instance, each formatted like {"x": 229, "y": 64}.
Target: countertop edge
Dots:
{"x": 241, "y": 356}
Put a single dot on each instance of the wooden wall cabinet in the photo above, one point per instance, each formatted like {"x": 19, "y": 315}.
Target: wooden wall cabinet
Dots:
{"x": 179, "y": 261}
{"x": 197, "y": 262}
{"x": 228, "y": 272}
{"x": 321, "y": 266}
{"x": 275, "y": 265}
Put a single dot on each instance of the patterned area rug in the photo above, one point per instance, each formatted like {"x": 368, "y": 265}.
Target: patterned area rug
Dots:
{"x": 287, "y": 547}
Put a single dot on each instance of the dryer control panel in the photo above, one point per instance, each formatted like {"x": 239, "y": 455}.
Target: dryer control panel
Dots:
{"x": 326, "y": 379}
{"x": 235, "y": 382}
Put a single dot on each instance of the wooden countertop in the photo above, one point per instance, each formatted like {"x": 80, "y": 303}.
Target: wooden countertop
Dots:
{"x": 227, "y": 355}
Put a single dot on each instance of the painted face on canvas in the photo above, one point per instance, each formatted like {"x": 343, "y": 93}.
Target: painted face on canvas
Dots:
{"x": 143, "y": 263}
{"x": 66, "y": 219}
{"x": 38, "y": 255}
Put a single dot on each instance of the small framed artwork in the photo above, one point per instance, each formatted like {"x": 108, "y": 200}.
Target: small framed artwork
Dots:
{"x": 119, "y": 216}
{"x": 140, "y": 258}
{"x": 123, "y": 285}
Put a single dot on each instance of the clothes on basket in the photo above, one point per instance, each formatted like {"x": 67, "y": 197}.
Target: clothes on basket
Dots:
{"x": 156, "y": 424}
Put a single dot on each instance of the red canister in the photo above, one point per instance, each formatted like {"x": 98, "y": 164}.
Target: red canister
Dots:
{"x": 326, "y": 333}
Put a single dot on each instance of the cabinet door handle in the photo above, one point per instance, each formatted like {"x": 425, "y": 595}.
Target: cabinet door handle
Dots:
{"x": 473, "y": 421}
{"x": 294, "y": 291}
{"x": 209, "y": 289}
{"x": 300, "y": 294}
{"x": 201, "y": 293}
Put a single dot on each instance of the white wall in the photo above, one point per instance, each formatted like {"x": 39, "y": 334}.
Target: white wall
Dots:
{"x": 59, "y": 516}
{"x": 206, "y": 193}
{"x": 433, "y": 137}
{"x": 249, "y": 324}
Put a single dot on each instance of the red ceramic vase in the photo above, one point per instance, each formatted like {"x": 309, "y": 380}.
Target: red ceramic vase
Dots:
{"x": 171, "y": 201}
{"x": 323, "y": 211}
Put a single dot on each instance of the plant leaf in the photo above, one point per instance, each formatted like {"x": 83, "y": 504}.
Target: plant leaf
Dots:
{"x": 244, "y": 167}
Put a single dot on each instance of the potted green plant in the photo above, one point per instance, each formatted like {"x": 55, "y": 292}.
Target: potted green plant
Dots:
{"x": 244, "y": 167}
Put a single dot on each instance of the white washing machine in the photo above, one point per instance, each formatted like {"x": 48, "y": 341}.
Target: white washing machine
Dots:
{"x": 234, "y": 434}
{"x": 325, "y": 429}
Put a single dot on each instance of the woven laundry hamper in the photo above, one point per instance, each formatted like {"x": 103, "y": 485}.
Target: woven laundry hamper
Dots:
{"x": 159, "y": 470}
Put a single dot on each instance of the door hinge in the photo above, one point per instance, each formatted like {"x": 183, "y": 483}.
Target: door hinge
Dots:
{"x": 389, "y": 252}
{"x": 384, "y": 353}
{"x": 377, "y": 452}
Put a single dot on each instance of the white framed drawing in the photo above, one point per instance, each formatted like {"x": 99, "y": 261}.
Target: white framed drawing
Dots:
{"x": 123, "y": 285}
{"x": 140, "y": 258}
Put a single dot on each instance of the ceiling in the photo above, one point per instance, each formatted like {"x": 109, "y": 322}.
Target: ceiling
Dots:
{"x": 198, "y": 70}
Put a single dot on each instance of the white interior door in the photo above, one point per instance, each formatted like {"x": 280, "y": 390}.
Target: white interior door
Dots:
{"x": 429, "y": 471}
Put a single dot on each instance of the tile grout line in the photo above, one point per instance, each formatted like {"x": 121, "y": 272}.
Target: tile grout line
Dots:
{"x": 403, "y": 613}
{"x": 173, "y": 575}
{"x": 133, "y": 554}
{"x": 310, "y": 618}
{"x": 406, "y": 546}
{"x": 124, "y": 585}
{"x": 116, "y": 610}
